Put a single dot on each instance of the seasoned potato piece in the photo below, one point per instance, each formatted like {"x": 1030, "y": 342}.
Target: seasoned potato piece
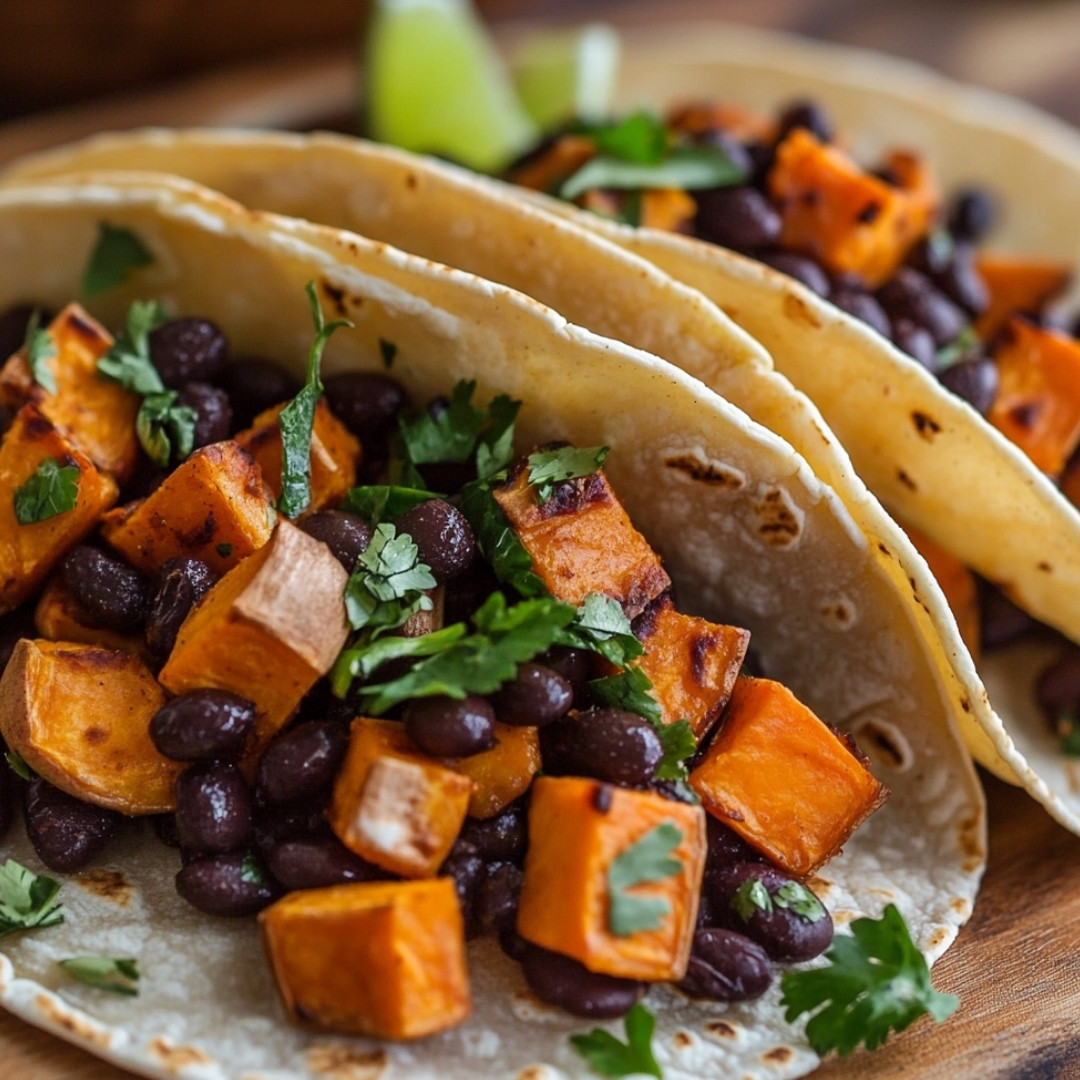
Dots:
{"x": 783, "y": 780}
{"x": 29, "y": 552}
{"x": 58, "y": 617}
{"x": 590, "y": 889}
{"x": 98, "y": 413}
{"x": 395, "y": 806}
{"x": 504, "y": 772}
{"x": 214, "y": 507}
{"x": 385, "y": 959}
{"x": 79, "y": 715}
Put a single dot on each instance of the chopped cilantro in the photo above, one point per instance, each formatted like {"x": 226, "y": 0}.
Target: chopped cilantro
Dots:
{"x": 801, "y": 900}
{"x": 601, "y": 627}
{"x": 223, "y": 549}
{"x": 388, "y": 584}
{"x": 383, "y": 502}
{"x": 128, "y": 361}
{"x": 679, "y": 743}
{"x": 52, "y": 489}
{"x": 251, "y": 869}
{"x": 876, "y": 982}
{"x": 1067, "y": 725}
{"x": 550, "y": 467}
{"x": 446, "y": 435}
{"x": 495, "y": 446}
{"x": 18, "y": 766}
{"x": 610, "y": 1057}
{"x": 40, "y": 347}
{"x": 388, "y": 351}
{"x": 363, "y": 659}
{"x": 640, "y": 137}
{"x": 960, "y": 348}
{"x": 118, "y": 976}
{"x": 687, "y": 168}
{"x": 497, "y": 541}
{"x": 117, "y": 252}
{"x": 166, "y": 430}
{"x": 647, "y": 860}
{"x": 27, "y": 900}
{"x": 628, "y": 690}
{"x": 298, "y": 418}
{"x": 751, "y": 897}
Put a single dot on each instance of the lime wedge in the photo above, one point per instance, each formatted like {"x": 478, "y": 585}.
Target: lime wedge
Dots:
{"x": 567, "y": 75}
{"x": 434, "y": 83}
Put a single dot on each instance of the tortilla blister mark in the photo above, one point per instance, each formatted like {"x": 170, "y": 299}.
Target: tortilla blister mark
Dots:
{"x": 206, "y": 984}
{"x": 339, "y": 1061}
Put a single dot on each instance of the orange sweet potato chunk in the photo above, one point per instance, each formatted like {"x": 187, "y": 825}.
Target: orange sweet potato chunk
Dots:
{"x": 957, "y": 583}
{"x": 692, "y": 664}
{"x": 98, "y": 413}
{"x": 1038, "y": 400}
{"x": 79, "y": 716}
{"x": 697, "y": 118}
{"x": 395, "y": 806}
{"x": 548, "y": 170}
{"x": 577, "y": 829}
{"x": 581, "y": 541}
{"x": 503, "y": 773}
{"x": 58, "y": 617}
{"x": 385, "y": 959}
{"x": 335, "y": 455}
{"x": 1017, "y": 283}
{"x": 29, "y": 552}
{"x": 213, "y": 507}
{"x": 783, "y": 780}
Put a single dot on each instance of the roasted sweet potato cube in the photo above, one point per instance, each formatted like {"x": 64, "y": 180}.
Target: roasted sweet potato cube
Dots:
{"x": 612, "y": 877}
{"x": 957, "y": 583}
{"x": 213, "y": 507}
{"x": 98, "y": 413}
{"x": 848, "y": 219}
{"x": 1038, "y": 399}
{"x": 783, "y": 780}
{"x": 58, "y": 617}
{"x": 29, "y": 552}
{"x": 581, "y": 541}
{"x": 385, "y": 959}
{"x": 559, "y": 161}
{"x": 267, "y": 630}
{"x": 504, "y": 772}
{"x": 335, "y": 455}
{"x": 395, "y": 806}
{"x": 79, "y": 715}
{"x": 692, "y": 663}
{"x": 1017, "y": 283}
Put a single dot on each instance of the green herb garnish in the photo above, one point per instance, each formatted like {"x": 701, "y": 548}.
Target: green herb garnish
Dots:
{"x": 876, "y": 982}
{"x": 251, "y": 869}
{"x": 447, "y": 437}
{"x": 389, "y": 582}
{"x": 646, "y": 860}
{"x": 640, "y": 137}
{"x": 751, "y": 897}
{"x": 801, "y": 900}
{"x": 383, "y": 502}
{"x": 105, "y": 973}
{"x": 960, "y": 348}
{"x": 40, "y": 347}
{"x": 18, "y": 766}
{"x": 1067, "y": 726}
{"x": 679, "y": 744}
{"x": 27, "y": 900}
{"x": 550, "y": 467}
{"x": 495, "y": 445}
{"x": 166, "y": 430}
{"x": 363, "y": 659}
{"x": 610, "y": 1057}
{"x": 497, "y": 541}
{"x": 117, "y": 253}
{"x": 686, "y": 168}
{"x": 52, "y": 489}
{"x": 224, "y": 549}
{"x": 628, "y": 690}
{"x": 602, "y": 627}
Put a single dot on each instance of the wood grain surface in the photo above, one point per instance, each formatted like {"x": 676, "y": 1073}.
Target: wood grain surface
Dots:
{"x": 1016, "y": 966}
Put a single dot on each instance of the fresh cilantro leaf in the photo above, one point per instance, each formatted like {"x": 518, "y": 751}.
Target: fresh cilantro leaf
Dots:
{"x": 602, "y": 627}
{"x": 679, "y": 743}
{"x": 448, "y": 436}
{"x": 251, "y": 869}
{"x": 298, "y": 418}
{"x": 363, "y": 659}
{"x": 52, "y": 489}
{"x": 751, "y": 897}
{"x": 27, "y": 900}
{"x": 18, "y": 766}
{"x": 550, "y": 467}
{"x": 801, "y": 900}
{"x": 497, "y": 541}
{"x": 628, "y": 690}
{"x": 165, "y": 429}
{"x": 960, "y": 348}
{"x": 610, "y": 1057}
{"x": 40, "y": 347}
{"x": 224, "y": 549}
{"x": 116, "y": 254}
{"x": 389, "y": 582}
{"x": 388, "y": 351}
{"x": 640, "y": 137}
{"x": 128, "y": 361}
{"x": 383, "y": 502}
{"x": 104, "y": 973}
{"x": 646, "y": 860}
{"x": 876, "y": 982}
{"x": 495, "y": 447}
{"x": 1068, "y": 730}
{"x": 686, "y": 168}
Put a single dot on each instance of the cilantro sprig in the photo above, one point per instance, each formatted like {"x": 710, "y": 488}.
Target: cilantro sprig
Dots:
{"x": 27, "y": 900}
{"x": 52, "y": 489}
{"x": 602, "y": 627}
{"x": 877, "y": 982}
{"x": 383, "y": 502}
{"x": 608, "y": 1056}
{"x": 497, "y": 541}
{"x": 646, "y": 860}
{"x": 389, "y": 583}
{"x": 550, "y": 467}
{"x": 39, "y": 347}
{"x": 118, "y": 252}
{"x": 114, "y": 974}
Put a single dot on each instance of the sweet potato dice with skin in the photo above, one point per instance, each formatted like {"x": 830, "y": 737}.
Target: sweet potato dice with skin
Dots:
{"x": 385, "y": 959}
{"x": 395, "y": 806}
{"x": 1038, "y": 399}
{"x": 268, "y": 630}
{"x": 692, "y": 664}
{"x": 957, "y": 583}
{"x": 335, "y": 455}
{"x": 98, "y": 413}
{"x": 784, "y": 781}
{"x": 79, "y": 715}
{"x": 29, "y": 552}
{"x": 58, "y": 617}
{"x": 577, "y": 828}
{"x": 1017, "y": 283}
{"x": 504, "y": 772}
{"x": 581, "y": 541}
{"x": 213, "y": 507}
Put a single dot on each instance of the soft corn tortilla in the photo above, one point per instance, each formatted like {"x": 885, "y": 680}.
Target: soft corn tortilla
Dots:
{"x": 747, "y": 531}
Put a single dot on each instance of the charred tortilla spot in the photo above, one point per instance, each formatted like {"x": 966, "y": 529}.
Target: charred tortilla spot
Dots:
{"x": 177, "y": 1058}
{"x": 778, "y": 523}
{"x": 682, "y": 1040}
{"x": 960, "y": 905}
{"x": 337, "y": 1062}
{"x": 109, "y": 885}
{"x": 939, "y": 936}
{"x": 1045, "y": 567}
{"x": 797, "y": 311}
{"x": 707, "y": 472}
{"x": 411, "y": 181}
{"x": 884, "y": 549}
{"x": 532, "y": 1072}
{"x": 925, "y": 425}
{"x": 722, "y": 1029}
{"x": 82, "y": 1029}
{"x": 780, "y": 1054}
{"x": 336, "y": 295}
{"x": 965, "y": 704}
{"x": 906, "y": 480}
{"x": 840, "y": 614}
{"x": 884, "y": 744}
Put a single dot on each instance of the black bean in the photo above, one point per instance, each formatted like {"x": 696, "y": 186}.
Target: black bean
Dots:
{"x": 1058, "y": 688}
{"x": 164, "y": 826}
{"x": 316, "y": 863}
{"x": 726, "y": 966}
{"x": 302, "y": 762}
{"x": 762, "y": 158}
{"x": 962, "y": 283}
{"x": 213, "y": 808}
{"x": 972, "y": 214}
{"x": 181, "y": 583}
{"x": 781, "y": 915}
{"x": 442, "y": 534}
{"x": 255, "y": 384}
{"x": 731, "y": 148}
{"x": 800, "y": 267}
{"x": 736, "y": 217}
{"x": 974, "y": 380}
{"x": 1001, "y": 621}
{"x": 725, "y": 846}
{"x": 909, "y": 294}
{"x": 188, "y": 350}
{"x": 609, "y": 744}
{"x": 231, "y": 884}
{"x": 445, "y": 727}
{"x": 112, "y": 594}
{"x": 495, "y": 902}
{"x": 202, "y": 725}
{"x": 864, "y": 307}
{"x": 213, "y": 412}
{"x": 809, "y": 115}
{"x": 501, "y": 838}
{"x": 574, "y": 665}
{"x": 466, "y": 868}
{"x": 468, "y": 591}
{"x": 66, "y": 832}
{"x": 366, "y": 402}
{"x": 534, "y": 697}
{"x": 916, "y": 341}
{"x": 13, "y": 324}
{"x": 346, "y": 535}
{"x": 278, "y": 823}
{"x": 14, "y": 626}
{"x": 320, "y": 703}
{"x": 562, "y": 981}
{"x": 7, "y": 798}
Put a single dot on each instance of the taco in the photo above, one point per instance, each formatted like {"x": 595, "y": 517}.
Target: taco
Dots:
{"x": 743, "y": 527}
